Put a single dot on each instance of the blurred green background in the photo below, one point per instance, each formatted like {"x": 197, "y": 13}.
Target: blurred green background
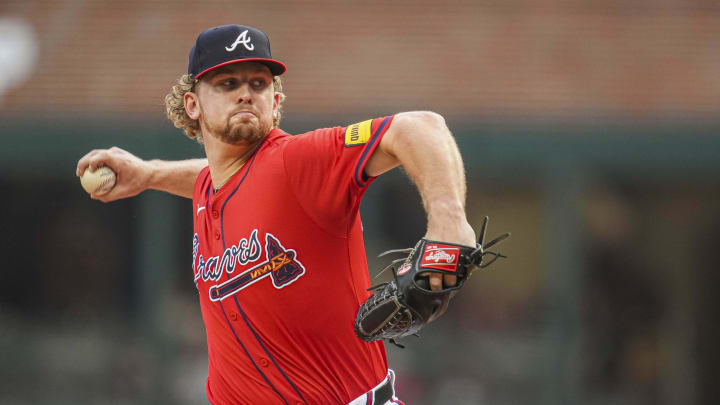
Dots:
{"x": 589, "y": 130}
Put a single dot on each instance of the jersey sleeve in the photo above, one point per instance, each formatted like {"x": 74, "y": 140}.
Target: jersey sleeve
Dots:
{"x": 326, "y": 168}
{"x": 202, "y": 182}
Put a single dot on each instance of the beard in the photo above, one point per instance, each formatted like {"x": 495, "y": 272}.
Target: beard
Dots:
{"x": 240, "y": 131}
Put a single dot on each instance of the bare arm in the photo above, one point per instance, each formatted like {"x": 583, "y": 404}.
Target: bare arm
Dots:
{"x": 424, "y": 146}
{"x": 135, "y": 175}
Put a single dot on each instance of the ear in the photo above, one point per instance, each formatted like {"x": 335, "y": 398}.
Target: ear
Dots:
{"x": 192, "y": 105}
{"x": 276, "y": 104}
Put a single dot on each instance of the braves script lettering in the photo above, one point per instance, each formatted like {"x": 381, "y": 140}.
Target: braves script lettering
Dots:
{"x": 244, "y": 252}
{"x": 281, "y": 265}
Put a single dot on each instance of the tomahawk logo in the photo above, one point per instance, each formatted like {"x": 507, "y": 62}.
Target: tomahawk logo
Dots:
{"x": 244, "y": 39}
{"x": 281, "y": 265}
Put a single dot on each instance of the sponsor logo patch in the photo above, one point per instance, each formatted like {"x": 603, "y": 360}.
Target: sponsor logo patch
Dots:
{"x": 440, "y": 257}
{"x": 358, "y": 134}
{"x": 404, "y": 269}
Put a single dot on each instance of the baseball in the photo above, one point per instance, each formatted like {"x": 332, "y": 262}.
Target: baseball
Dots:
{"x": 98, "y": 182}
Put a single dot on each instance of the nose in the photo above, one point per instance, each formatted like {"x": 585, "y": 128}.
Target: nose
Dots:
{"x": 244, "y": 95}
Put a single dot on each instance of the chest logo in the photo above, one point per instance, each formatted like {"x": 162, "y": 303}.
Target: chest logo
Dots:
{"x": 281, "y": 265}
{"x": 244, "y": 39}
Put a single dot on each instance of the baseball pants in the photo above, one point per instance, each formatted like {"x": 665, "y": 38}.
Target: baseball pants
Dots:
{"x": 381, "y": 394}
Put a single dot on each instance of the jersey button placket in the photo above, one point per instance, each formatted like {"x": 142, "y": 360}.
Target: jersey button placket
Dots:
{"x": 217, "y": 235}
{"x": 215, "y": 214}
{"x": 264, "y": 362}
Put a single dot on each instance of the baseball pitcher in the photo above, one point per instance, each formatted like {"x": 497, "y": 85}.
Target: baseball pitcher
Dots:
{"x": 278, "y": 255}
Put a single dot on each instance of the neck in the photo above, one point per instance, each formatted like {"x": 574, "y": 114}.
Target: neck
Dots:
{"x": 225, "y": 160}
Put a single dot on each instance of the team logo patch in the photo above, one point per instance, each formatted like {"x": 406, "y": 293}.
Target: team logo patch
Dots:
{"x": 281, "y": 265}
{"x": 358, "y": 134}
{"x": 243, "y": 39}
{"x": 440, "y": 257}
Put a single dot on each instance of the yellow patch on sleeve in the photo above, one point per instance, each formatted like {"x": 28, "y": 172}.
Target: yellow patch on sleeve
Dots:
{"x": 358, "y": 134}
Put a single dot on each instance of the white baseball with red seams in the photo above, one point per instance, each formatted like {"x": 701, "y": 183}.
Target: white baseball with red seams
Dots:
{"x": 98, "y": 182}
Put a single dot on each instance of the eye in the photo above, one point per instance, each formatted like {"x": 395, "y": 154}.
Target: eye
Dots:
{"x": 228, "y": 83}
{"x": 258, "y": 83}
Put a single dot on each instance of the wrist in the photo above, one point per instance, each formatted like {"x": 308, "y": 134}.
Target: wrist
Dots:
{"x": 150, "y": 174}
{"x": 447, "y": 222}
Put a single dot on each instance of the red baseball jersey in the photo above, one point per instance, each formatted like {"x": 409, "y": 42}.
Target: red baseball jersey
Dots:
{"x": 280, "y": 268}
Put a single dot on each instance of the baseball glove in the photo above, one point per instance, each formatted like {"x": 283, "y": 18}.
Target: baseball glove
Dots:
{"x": 401, "y": 307}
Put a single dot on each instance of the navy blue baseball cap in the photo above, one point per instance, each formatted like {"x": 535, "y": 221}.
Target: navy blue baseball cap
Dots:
{"x": 228, "y": 44}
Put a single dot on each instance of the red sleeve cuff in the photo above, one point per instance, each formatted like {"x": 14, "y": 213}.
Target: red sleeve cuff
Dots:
{"x": 360, "y": 178}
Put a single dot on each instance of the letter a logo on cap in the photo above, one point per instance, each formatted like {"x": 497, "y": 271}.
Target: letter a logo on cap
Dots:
{"x": 241, "y": 39}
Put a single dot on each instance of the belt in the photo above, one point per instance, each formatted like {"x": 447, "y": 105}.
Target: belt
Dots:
{"x": 379, "y": 395}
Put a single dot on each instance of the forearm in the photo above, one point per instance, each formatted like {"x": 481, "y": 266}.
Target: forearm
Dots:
{"x": 427, "y": 151}
{"x": 135, "y": 175}
{"x": 175, "y": 177}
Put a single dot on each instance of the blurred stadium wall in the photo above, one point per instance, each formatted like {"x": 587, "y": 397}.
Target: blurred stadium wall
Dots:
{"x": 589, "y": 129}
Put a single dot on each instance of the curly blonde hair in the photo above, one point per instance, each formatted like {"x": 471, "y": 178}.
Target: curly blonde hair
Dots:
{"x": 175, "y": 106}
